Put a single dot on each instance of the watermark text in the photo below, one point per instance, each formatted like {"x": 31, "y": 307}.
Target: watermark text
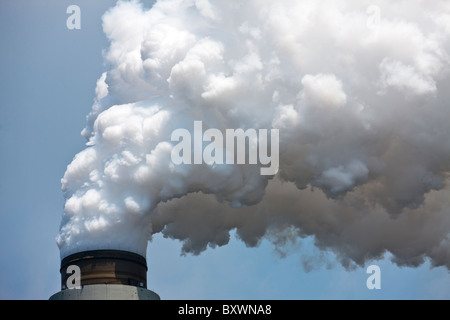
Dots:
{"x": 231, "y": 148}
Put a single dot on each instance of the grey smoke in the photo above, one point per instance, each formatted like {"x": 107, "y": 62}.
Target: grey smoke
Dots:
{"x": 362, "y": 112}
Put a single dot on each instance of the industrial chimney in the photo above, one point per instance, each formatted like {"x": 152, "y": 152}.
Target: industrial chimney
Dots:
{"x": 104, "y": 275}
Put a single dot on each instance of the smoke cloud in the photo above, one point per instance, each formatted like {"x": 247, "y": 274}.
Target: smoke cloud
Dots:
{"x": 360, "y": 98}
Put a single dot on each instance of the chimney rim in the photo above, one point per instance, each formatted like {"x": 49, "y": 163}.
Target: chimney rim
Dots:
{"x": 106, "y": 254}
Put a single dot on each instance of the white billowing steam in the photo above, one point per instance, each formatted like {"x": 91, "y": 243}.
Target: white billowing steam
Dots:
{"x": 362, "y": 109}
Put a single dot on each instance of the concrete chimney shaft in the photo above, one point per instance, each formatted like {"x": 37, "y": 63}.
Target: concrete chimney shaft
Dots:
{"x": 105, "y": 275}
{"x": 106, "y": 267}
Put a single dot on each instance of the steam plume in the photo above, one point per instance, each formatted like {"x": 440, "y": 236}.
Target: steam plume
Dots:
{"x": 362, "y": 109}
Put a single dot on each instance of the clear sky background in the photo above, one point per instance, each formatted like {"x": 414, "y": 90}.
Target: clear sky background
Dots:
{"x": 47, "y": 81}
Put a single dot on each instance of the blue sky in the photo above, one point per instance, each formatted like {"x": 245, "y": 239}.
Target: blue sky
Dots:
{"x": 47, "y": 81}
